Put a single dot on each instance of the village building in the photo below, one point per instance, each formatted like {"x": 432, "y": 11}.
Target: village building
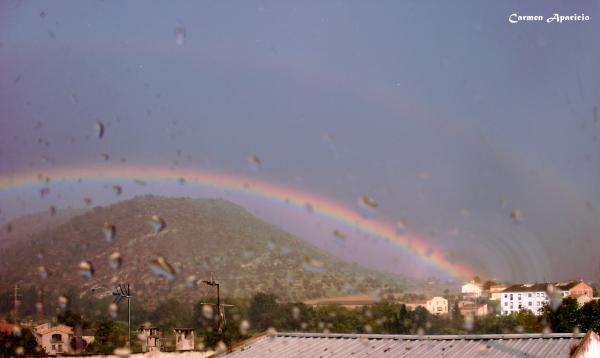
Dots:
{"x": 533, "y": 296}
{"x": 496, "y": 292}
{"x": 468, "y": 308}
{"x": 184, "y": 339}
{"x": 151, "y": 338}
{"x": 54, "y": 340}
{"x": 437, "y": 305}
{"x": 471, "y": 290}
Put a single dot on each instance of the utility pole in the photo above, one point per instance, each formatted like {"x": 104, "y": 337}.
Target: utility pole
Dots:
{"x": 120, "y": 293}
{"x": 220, "y": 307}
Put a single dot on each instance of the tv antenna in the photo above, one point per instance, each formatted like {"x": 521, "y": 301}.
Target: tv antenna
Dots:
{"x": 220, "y": 306}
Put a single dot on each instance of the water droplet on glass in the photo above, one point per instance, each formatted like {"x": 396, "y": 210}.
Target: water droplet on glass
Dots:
{"x": 105, "y": 156}
{"x": 295, "y": 313}
{"x": 516, "y": 215}
{"x": 555, "y": 297}
{"x": 309, "y": 208}
{"x": 191, "y": 281}
{"x": 338, "y": 234}
{"x": 122, "y": 352}
{"x": 180, "y": 34}
{"x": 161, "y": 268}
{"x": 377, "y": 295}
{"x": 63, "y": 302}
{"x": 207, "y": 311}
{"x": 115, "y": 260}
{"x": 52, "y": 210}
{"x": 401, "y": 227}
{"x": 469, "y": 322}
{"x": 19, "y": 351}
{"x": 312, "y": 265}
{"x": 367, "y": 207}
{"x": 113, "y": 310}
{"x": 110, "y": 231}
{"x": 44, "y": 191}
{"x": 483, "y": 349}
{"x": 367, "y": 328}
{"x": 255, "y": 162}
{"x": 157, "y": 223}
{"x": 244, "y": 327}
{"x": 99, "y": 129}
{"x": 117, "y": 189}
{"x": 87, "y": 201}
{"x": 43, "y": 272}
{"x": 271, "y": 332}
{"x": 220, "y": 348}
{"x": 86, "y": 269}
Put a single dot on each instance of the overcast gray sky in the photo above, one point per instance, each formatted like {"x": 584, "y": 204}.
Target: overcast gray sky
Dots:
{"x": 444, "y": 112}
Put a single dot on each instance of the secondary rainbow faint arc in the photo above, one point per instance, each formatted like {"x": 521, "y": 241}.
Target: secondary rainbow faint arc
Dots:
{"x": 216, "y": 179}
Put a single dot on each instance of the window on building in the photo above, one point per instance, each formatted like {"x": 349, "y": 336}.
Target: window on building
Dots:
{"x": 60, "y": 348}
{"x": 530, "y": 303}
{"x": 511, "y": 296}
{"x": 529, "y": 295}
{"x": 506, "y": 295}
{"x": 505, "y": 303}
{"x": 53, "y": 347}
{"x": 519, "y": 296}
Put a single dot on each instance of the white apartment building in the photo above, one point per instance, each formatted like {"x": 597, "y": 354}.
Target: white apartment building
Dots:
{"x": 533, "y": 296}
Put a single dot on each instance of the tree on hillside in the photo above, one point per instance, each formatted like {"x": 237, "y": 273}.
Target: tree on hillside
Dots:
{"x": 565, "y": 318}
{"x": 487, "y": 284}
{"x": 589, "y": 317}
{"x": 263, "y": 311}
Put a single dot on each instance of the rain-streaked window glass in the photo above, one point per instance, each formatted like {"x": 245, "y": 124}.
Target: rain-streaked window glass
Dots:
{"x": 212, "y": 176}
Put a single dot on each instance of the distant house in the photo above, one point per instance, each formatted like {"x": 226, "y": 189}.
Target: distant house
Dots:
{"x": 184, "y": 339}
{"x": 496, "y": 292}
{"x": 8, "y": 328}
{"x": 89, "y": 336}
{"x": 437, "y": 305}
{"x": 533, "y": 296}
{"x": 575, "y": 288}
{"x": 54, "y": 339}
{"x": 471, "y": 290}
{"x": 151, "y": 338}
{"x": 467, "y": 308}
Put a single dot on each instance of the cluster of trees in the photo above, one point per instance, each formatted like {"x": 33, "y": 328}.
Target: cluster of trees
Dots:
{"x": 263, "y": 311}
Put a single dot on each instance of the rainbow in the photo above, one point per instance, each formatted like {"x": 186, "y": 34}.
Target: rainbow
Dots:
{"x": 220, "y": 180}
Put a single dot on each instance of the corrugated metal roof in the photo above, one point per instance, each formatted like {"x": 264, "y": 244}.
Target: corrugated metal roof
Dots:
{"x": 372, "y": 345}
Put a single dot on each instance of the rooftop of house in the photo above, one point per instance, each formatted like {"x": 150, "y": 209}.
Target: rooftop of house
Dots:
{"x": 43, "y": 329}
{"x": 342, "y": 345}
{"x": 6, "y": 327}
{"x": 541, "y": 287}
